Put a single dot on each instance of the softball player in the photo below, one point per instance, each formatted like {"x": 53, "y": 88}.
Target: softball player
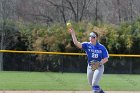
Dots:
{"x": 95, "y": 52}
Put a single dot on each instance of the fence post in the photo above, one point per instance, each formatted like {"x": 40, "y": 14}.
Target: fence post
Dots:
{"x": 130, "y": 70}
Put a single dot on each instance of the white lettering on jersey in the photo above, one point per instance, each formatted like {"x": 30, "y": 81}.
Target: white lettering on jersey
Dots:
{"x": 94, "y": 51}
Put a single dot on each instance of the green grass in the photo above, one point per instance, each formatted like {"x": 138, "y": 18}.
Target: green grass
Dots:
{"x": 66, "y": 81}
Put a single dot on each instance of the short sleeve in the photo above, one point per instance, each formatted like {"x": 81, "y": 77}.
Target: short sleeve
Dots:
{"x": 104, "y": 53}
{"x": 84, "y": 45}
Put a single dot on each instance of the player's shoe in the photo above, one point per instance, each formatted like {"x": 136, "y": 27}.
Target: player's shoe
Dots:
{"x": 101, "y": 91}
{"x": 97, "y": 89}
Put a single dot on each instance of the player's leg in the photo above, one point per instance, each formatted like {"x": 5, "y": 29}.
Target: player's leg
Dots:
{"x": 96, "y": 78}
{"x": 89, "y": 75}
{"x": 97, "y": 75}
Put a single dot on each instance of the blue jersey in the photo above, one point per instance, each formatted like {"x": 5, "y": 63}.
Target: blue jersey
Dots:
{"x": 95, "y": 52}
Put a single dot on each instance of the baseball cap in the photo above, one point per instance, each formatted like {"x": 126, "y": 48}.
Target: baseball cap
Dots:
{"x": 92, "y": 34}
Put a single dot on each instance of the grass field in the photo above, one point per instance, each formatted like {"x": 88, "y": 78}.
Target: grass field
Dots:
{"x": 11, "y": 80}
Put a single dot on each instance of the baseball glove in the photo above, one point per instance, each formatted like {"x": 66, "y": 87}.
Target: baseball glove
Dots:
{"x": 95, "y": 65}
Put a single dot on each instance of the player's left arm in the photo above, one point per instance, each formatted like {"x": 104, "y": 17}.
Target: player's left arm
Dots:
{"x": 104, "y": 60}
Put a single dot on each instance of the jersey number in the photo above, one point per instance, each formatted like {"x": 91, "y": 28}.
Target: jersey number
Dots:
{"x": 94, "y": 55}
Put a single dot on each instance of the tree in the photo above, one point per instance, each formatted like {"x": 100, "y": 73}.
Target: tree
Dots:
{"x": 52, "y": 11}
{"x": 6, "y": 11}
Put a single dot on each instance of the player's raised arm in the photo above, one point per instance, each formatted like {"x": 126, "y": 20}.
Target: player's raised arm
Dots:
{"x": 75, "y": 41}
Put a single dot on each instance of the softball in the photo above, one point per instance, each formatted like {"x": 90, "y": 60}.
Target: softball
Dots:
{"x": 69, "y": 25}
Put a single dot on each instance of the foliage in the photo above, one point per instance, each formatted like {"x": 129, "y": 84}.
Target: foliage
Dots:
{"x": 55, "y": 38}
{"x": 9, "y": 34}
{"x": 136, "y": 36}
{"x": 117, "y": 39}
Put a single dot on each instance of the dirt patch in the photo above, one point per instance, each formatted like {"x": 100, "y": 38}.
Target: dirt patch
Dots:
{"x": 67, "y": 92}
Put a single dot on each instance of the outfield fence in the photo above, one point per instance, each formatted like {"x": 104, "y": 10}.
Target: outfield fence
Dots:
{"x": 62, "y": 53}
{"x": 65, "y": 62}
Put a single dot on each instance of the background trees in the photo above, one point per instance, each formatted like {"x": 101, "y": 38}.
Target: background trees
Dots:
{"x": 50, "y": 11}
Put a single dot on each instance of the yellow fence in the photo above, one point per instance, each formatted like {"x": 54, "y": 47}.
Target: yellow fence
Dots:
{"x": 62, "y": 53}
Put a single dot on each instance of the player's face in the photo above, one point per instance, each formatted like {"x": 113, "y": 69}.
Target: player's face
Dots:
{"x": 92, "y": 39}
